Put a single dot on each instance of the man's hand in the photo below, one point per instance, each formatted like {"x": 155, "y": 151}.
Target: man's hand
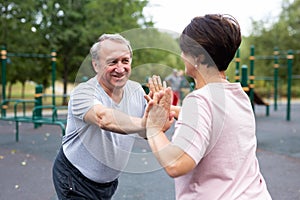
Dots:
{"x": 158, "y": 113}
{"x": 155, "y": 85}
{"x": 159, "y": 118}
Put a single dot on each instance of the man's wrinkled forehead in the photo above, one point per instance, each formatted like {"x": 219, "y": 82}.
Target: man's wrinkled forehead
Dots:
{"x": 114, "y": 46}
{"x": 114, "y": 50}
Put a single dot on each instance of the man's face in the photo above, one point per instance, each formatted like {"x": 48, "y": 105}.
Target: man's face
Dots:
{"x": 114, "y": 65}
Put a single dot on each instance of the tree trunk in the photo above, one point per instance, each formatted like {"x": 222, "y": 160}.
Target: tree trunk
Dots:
{"x": 9, "y": 90}
{"x": 23, "y": 91}
{"x": 65, "y": 82}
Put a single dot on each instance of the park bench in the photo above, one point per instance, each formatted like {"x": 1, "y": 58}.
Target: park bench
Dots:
{"x": 39, "y": 115}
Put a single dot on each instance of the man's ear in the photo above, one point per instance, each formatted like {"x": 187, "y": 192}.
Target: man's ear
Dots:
{"x": 95, "y": 65}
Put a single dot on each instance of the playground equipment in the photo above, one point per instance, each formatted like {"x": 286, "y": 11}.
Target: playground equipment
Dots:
{"x": 36, "y": 116}
{"x": 39, "y": 115}
{"x": 249, "y": 88}
{"x": 5, "y": 55}
{"x": 288, "y": 55}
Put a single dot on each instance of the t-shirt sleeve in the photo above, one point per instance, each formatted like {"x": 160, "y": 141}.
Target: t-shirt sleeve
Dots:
{"x": 193, "y": 127}
{"x": 82, "y": 99}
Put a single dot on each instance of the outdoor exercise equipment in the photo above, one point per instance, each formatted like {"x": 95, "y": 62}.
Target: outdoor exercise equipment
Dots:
{"x": 288, "y": 56}
{"x": 249, "y": 88}
{"x": 5, "y": 55}
{"x": 36, "y": 116}
{"x": 255, "y": 98}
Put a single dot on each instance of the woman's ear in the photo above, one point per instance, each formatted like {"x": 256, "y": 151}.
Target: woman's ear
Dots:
{"x": 200, "y": 59}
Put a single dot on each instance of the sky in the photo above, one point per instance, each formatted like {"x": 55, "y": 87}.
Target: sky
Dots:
{"x": 174, "y": 15}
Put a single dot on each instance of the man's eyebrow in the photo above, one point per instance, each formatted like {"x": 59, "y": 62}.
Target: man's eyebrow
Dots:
{"x": 118, "y": 58}
{"x": 111, "y": 59}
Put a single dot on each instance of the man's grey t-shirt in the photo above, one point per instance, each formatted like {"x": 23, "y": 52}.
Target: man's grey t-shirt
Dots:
{"x": 98, "y": 154}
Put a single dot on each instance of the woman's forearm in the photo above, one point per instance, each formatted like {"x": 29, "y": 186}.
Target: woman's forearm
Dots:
{"x": 173, "y": 159}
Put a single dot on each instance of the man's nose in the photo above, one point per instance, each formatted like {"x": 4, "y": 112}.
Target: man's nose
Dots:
{"x": 119, "y": 68}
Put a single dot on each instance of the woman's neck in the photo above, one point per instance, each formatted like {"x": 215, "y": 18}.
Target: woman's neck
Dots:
{"x": 211, "y": 76}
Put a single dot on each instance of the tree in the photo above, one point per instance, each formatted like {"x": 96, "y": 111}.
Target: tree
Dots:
{"x": 72, "y": 26}
{"x": 68, "y": 26}
{"x": 284, "y": 33}
{"x": 19, "y": 36}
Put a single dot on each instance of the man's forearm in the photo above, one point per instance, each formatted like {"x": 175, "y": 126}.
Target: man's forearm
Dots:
{"x": 123, "y": 123}
{"x": 114, "y": 120}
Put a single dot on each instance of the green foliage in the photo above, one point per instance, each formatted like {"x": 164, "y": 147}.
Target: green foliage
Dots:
{"x": 154, "y": 52}
{"x": 69, "y": 26}
{"x": 17, "y": 21}
{"x": 284, "y": 34}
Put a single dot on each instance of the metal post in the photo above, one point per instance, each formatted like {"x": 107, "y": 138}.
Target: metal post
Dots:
{"x": 237, "y": 66}
{"x": 276, "y": 66}
{"x": 290, "y": 58}
{"x": 38, "y": 102}
{"x": 251, "y": 75}
{"x": 3, "y": 72}
{"x": 53, "y": 64}
{"x": 244, "y": 81}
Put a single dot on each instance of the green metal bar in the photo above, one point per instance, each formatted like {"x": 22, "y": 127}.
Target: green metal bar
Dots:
{"x": 53, "y": 64}
{"x": 24, "y": 108}
{"x": 290, "y": 58}
{"x": 264, "y": 57}
{"x": 3, "y": 72}
{"x": 269, "y": 57}
{"x": 251, "y": 77}
{"x": 28, "y": 55}
{"x": 244, "y": 79}
{"x": 23, "y": 103}
{"x": 17, "y": 131}
{"x": 38, "y": 98}
{"x": 276, "y": 66}
{"x": 237, "y": 66}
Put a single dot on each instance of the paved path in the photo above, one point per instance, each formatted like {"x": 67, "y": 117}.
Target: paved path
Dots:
{"x": 279, "y": 151}
{"x": 25, "y": 167}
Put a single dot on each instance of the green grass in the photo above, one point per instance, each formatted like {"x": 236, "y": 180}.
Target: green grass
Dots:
{"x": 16, "y": 93}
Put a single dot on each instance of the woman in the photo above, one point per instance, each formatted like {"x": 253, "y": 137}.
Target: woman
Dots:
{"x": 212, "y": 154}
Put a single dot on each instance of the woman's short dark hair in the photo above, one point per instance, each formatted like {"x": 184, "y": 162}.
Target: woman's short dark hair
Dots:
{"x": 215, "y": 36}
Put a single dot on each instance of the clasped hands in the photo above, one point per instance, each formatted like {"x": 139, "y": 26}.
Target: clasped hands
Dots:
{"x": 158, "y": 115}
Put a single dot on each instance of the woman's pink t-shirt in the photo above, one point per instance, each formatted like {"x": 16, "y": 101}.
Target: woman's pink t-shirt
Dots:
{"x": 216, "y": 127}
